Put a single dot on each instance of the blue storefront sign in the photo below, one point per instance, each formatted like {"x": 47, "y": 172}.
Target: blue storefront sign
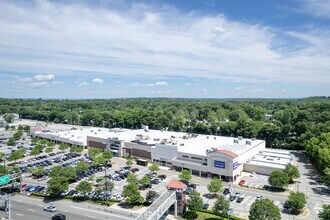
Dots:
{"x": 235, "y": 165}
{"x": 219, "y": 164}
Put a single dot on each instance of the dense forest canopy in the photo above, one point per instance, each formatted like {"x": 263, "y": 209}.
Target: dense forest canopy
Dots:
{"x": 288, "y": 124}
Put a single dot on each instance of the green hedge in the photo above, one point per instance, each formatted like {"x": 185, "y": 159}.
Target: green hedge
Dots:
{"x": 213, "y": 213}
{"x": 70, "y": 197}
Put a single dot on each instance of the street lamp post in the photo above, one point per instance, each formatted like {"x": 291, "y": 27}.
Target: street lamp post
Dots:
{"x": 229, "y": 212}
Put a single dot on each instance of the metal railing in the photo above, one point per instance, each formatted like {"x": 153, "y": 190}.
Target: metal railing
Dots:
{"x": 157, "y": 209}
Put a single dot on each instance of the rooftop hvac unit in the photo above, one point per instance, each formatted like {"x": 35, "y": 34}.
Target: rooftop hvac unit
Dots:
{"x": 215, "y": 138}
{"x": 99, "y": 129}
{"x": 207, "y": 137}
{"x": 253, "y": 139}
{"x": 240, "y": 138}
{"x": 235, "y": 141}
{"x": 248, "y": 142}
{"x": 207, "y": 151}
{"x": 182, "y": 144}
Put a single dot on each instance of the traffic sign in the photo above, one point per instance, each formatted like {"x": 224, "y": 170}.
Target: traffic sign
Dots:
{"x": 4, "y": 179}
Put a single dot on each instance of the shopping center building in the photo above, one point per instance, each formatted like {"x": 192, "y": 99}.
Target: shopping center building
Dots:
{"x": 203, "y": 155}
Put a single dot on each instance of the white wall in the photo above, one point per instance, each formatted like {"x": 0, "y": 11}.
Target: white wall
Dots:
{"x": 164, "y": 152}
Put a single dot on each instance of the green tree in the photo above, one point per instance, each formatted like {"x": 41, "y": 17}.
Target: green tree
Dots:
{"x": 154, "y": 167}
{"x": 63, "y": 146}
{"x": 264, "y": 209}
{"x": 129, "y": 162}
{"x": 76, "y": 149}
{"x": 151, "y": 196}
{"x": 16, "y": 155}
{"x": 145, "y": 181}
{"x": 326, "y": 177}
{"x": 9, "y": 118}
{"x": 34, "y": 140}
{"x": 93, "y": 152}
{"x": 195, "y": 202}
{"x": 57, "y": 184}
{"x": 7, "y": 127}
{"x": 278, "y": 179}
{"x": 107, "y": 155}
{"x": 185, "y": 175}
{"x": 39, "y": 171}
{"x": 215, "y": 186}
{"x": 56, "y": 171}
{"x": 132, "y": 194}
{"x": 69, "y": 173}
{"x": 99, "y": 161}
{"x": 2, "y": 154}
{"x": 132, "y": 178}
{"x": 49, "y": 149}
{"x": 325, "y": 212}
{"x": 84, "y": 187}
{"x": 292, "y": 171}
{"x": 221, "y": 206}
{"x": 35, "y": 151}
{"x": 297, "y": 201}
{"x": 11, "y": 142}
{"x": 81, "y": 167}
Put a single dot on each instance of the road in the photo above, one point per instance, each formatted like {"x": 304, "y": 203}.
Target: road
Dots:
{"x": 26, "y": 208}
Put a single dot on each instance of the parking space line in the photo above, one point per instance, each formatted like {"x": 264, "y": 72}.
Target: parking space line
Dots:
{"x": 31, "y": 210}
{"x": 246, "y": 199}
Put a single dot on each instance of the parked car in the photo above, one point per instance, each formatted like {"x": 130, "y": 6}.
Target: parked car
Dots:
{"x": 185, "y": 182}
{"x": 162, "y": 177}
{"x": 206, "y": 206}
{"x": 259, "y": 197}
{"x": 226, "y": 191}
{"x": 239, "y": 200}
{"x": 50, "y": 208}
{"x": 193, "y": 186}
{"x": 242, "y": 182}
{"x": 232, "y": 198}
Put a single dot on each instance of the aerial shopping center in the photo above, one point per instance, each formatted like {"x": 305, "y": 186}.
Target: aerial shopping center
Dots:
{"x": 203, "y": 155}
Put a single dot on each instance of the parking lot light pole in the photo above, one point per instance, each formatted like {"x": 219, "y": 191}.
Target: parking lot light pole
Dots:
{"x": 106, "y": 186}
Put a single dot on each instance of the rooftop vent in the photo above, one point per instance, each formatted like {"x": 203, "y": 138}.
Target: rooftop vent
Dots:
{"x": 248, "y": 142}
{"x": 235, "y": 141}
{"x": 253, "y": 139}
{"x": 182, "y": 144}
{"x": 215, "y": 138}
{"x": 240, "y": 138}
{"x": 207, "y": 137}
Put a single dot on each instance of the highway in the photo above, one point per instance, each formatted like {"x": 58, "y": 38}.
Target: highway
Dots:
{"x": 26, "y": 208}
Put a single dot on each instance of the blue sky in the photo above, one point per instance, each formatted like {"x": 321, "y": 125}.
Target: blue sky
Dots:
{"x": 166, "y": 48}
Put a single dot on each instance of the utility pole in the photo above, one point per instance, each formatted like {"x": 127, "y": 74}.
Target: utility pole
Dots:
{"x": 7, "y": 206}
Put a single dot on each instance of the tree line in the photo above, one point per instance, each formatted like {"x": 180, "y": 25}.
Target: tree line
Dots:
{"x": 283, "y": 123}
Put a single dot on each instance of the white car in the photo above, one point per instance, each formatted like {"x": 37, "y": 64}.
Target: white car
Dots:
{"x": 50, "y": 208}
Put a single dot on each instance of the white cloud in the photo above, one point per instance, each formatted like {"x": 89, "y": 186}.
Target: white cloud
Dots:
{"x": 160, "y": 84}
{"x": 317, "y": 8}
{"x": 187, "y": 84}
{"x": 238, "y": 88}
{"x": 83, "y": 84}
{"x": 161, "y": 92}
{"x": 38, "y": 84}
{"x": 41, "y": 77}
{"x": 127, "y": 43}
{"x": 98, "y": 80}
{"x": 137, "y": 84}
{"x": 204, "y": 90}
{"x": 22, "y": 79}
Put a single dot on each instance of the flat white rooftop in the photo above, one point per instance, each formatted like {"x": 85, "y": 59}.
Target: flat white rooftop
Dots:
{"x": 186, "y": 143}
{"x": 271, "y": 158}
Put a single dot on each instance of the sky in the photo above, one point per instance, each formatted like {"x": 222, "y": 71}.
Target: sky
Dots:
{"x": 107, "y": 49}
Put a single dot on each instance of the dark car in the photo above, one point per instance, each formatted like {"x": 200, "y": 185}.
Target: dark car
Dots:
{"x": 232, "y": 198}
{"x": 266, "y": 187}
{"x": 226, "y": 191}
{"x": 185, "y": 182}
{"x": 162, "y": 177}
{"x": 59, "y": 217}
{"x": 239, "y": 200}
{"x": 193, "y": 186}
{"x": 206, "y": 206}
{"x": 286, "y": 205}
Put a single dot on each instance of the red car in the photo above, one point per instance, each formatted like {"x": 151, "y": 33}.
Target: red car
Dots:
{"x": 242, "y": 182}
{"x": 23, "y": 186}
